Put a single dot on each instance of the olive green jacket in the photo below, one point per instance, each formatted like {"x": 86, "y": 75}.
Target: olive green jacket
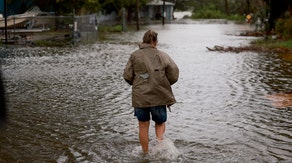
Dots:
{"x": 151, "y": 73}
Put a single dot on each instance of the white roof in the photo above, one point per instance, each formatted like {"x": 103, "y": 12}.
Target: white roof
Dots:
{"x": 159, "y": 3}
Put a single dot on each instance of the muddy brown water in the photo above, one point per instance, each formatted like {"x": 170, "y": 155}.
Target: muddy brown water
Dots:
{"x": 72, "y": 105}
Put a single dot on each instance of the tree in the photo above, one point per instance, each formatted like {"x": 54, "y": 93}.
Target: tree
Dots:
{"x": 109, "y": 6}
{"x": 67, "y": 6}
{"x": 277, "y": 9}
{"x": 182, "y": 5}
{"x": 226, "y": 7}
{"x": 92, "y": 6}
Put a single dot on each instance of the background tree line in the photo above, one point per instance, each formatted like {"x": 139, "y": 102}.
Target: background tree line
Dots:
{"x": 267, "y": 9}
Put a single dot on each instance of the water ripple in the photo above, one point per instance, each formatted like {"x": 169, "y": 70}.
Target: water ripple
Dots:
{"x": 72, "y": 104}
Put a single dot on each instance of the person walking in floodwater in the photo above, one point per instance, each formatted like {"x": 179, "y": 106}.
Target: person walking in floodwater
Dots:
{"x": 151, "y": 73}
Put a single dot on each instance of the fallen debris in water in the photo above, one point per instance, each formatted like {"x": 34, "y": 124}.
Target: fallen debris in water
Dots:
{"x": 281, "y": 100}
{"x": 253, "y": 33}
{"x": 249, "y": 48}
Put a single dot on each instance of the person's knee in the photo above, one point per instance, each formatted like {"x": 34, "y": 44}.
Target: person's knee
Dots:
{"x": 144, "y": 124}
{"x": 159, "y": 123}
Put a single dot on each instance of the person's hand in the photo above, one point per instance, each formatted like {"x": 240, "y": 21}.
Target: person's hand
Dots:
{"x": 168, "y": 106}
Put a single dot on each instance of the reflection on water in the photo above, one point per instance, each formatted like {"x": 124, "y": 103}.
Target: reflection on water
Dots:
{"x": 72, "y": 105}
{"x": 281, "y": 100}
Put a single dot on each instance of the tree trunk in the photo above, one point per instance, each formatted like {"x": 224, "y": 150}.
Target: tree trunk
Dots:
{"x": 248, "y": 6}
{"x": 129, "y": 15}
{"x": 226, "y": 7}
{"x": 277, "y": 9}
{"x": 163, "y": 11}
{"x": 137, "y": 15}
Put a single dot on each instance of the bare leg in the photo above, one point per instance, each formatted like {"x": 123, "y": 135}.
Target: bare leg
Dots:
{"x": 143, "y": 135}
{"x": 160, "y": 130}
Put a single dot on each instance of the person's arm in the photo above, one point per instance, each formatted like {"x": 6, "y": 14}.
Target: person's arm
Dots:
{"x": 129, "y": 72}
{"x": 171, "y": 71}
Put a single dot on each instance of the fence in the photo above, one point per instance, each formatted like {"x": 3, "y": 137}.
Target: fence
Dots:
{"x": 86, "y": 27}
{"x": 80, "y": 28}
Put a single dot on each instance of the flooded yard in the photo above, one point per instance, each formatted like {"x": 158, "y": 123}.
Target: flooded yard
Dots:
{"x": 72, "y": 104}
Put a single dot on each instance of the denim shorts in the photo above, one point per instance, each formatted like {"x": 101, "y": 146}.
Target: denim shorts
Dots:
{"x": 158, "y": 114}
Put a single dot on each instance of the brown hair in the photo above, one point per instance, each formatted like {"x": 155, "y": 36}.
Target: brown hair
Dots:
{"x": 150, "y": 37}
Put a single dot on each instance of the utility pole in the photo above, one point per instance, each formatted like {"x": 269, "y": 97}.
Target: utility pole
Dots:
{"x": 137, "y": 15}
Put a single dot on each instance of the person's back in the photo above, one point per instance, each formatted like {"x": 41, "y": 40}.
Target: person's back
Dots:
{"x": 151, "y": 73}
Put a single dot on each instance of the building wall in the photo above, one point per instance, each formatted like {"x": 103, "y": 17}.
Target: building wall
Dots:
{"x": 155, "y": 12}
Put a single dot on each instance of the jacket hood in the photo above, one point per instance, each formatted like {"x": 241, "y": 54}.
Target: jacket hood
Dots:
{"x": 144, "y": 46}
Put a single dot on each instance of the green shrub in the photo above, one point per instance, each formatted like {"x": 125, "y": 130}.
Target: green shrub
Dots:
{"x": 271, "y": 43}
{"x": 236, "y": 17}
{"x": 286, "y": 43}
{"x": 208, "y": 14}
{"x": 280, "y": 26}
{"x": 106, "y": 28}
{"x": 51, "y": 43}
{"x": 284, "y": 27}
{"x": 117, "y": 28}
{"x": 288, "y": 27}
{"x": 212, "y": 12}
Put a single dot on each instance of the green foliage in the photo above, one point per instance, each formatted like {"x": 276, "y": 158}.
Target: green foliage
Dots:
{"x": 208, "y": 12}
{"x": 284, "y": 27}
{"x": 92, "y": 5}
{"x": 183, "y": 5}
{"x": 280, "y": 25}
{"x": 107, "y": 28}
{"x": 44, "y": 43}
{"x": 236, "y": 17}
{"x": 287, "y": 43}
{"x": 109, "y": 6}
{"x": 271, "y": 43}
{"x": 212, "y": 10}
{"x": 65, "y": 7}
{"x": 221, "y": 8}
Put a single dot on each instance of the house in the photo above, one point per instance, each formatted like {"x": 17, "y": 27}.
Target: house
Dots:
{"x": 154, "y": 10}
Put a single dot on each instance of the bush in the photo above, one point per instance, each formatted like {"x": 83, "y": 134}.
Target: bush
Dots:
{"x": 236, "y": 17}
{"x": 284, "y": 27}
{"x": 116, "y": 28}
{"x": 208, "y": 14}
{"x": 272, "y": 43}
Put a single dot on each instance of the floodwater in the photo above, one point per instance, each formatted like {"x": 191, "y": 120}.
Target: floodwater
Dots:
{"x": 72, "y": 104}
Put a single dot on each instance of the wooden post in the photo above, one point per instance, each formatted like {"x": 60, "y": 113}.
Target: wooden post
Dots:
{"x": 5, "y": 15}
{"x": 163, "y": 11}
{"x": 124, "y": 26}
{"x": 74, "y": 26}
{"x": 137, "y": 15}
